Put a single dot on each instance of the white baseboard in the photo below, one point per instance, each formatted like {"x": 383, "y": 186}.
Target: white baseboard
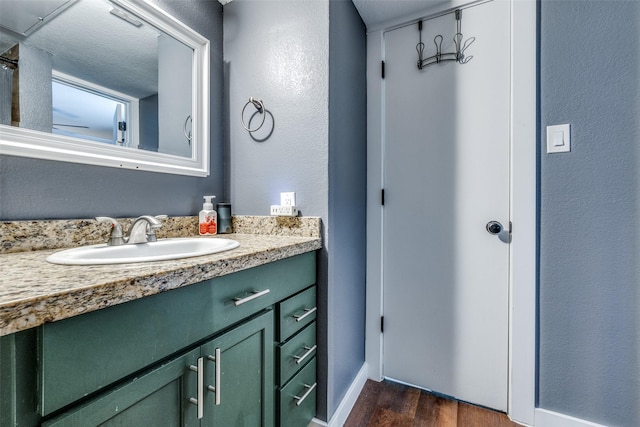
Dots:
{"x": 546, "y": 418}
{"x": 346, "y": 405}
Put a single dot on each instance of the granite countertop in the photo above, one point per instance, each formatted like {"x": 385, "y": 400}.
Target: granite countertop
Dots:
{"x": 33, "y": 291}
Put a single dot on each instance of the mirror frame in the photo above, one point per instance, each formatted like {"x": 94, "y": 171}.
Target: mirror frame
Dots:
{"x": 15, "y": 141}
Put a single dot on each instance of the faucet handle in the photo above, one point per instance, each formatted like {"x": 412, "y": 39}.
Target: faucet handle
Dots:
{"x": 151, "y": 228}
{"x": 116, "y": 237}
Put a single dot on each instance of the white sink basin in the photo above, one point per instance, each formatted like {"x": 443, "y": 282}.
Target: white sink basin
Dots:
{"x": 164, "y": 249}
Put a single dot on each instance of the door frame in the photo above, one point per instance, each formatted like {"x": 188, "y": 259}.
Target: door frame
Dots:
{"x": 523, "y": 199}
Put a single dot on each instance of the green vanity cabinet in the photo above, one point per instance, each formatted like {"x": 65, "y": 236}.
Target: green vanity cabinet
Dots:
{"x": 207, "y": 354}
{"x": 153, "y": 398}
{"x": 296, "y": 359}
{"x": 225, "y": 381}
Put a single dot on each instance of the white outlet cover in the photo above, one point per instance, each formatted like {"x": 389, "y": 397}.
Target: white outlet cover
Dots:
{"x": 288, "y": 198}
{"x": 559, "y": 138}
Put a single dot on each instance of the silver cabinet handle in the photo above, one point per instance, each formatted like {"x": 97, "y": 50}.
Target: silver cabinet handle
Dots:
{"x": 216, "y": 388}
{"x": 307, "y": 312}
{"x": 306, "y": 394}
{"x": 256, "y": 294}
{"x": 306, "y": 354}
{"x": 199, "y": 402}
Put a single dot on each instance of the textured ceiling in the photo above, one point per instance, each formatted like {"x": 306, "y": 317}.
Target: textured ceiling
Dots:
{"x": 376, "y": 12}
{"x": 88, "y": 42}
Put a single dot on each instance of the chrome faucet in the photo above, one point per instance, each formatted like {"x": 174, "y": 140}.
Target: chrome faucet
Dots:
{"x": 142, "y": 230}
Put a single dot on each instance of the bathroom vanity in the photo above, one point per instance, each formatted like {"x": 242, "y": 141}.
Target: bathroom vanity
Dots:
{"x": 225, "y": 339}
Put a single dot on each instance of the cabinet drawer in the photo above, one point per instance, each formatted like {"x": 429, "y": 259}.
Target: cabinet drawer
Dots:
{"x": 234, "y": 300}
{"x": 298, "y": 398}
{"x": 296, "y": 353}
{"x": 84, "y": 354}
{"x": 296, "y": 312}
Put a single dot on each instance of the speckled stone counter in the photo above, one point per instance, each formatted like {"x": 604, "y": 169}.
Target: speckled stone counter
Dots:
{"x": 33, "y": 292}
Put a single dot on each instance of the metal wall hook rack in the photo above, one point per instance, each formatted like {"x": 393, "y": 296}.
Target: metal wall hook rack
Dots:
{"x": 439, "y": 57}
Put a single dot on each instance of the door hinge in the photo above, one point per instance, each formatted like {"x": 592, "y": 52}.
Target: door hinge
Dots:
{"x": 510, "y": 227}
{"x": 383, "y": 69}
{"x": 382, "y": 197}
{"x": 382, "y": 324}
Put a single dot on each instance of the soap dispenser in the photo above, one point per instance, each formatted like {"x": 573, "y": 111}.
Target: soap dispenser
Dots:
{"x": 208, "y": 218}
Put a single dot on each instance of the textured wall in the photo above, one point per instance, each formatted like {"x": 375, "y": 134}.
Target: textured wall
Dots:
{"x": 278, "y": 51}
{"x": 35, "y": 89}
{"x": 42, "y": 189}
{"x": 347, "y": 197}
{"x": 589, "y": 297}
{"x": 175, "y": 101}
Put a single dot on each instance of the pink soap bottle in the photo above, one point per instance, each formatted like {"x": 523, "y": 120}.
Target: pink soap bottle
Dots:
{"x": 208, "y": 218}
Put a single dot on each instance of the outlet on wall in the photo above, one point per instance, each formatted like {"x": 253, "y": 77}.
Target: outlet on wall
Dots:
{"x": 288, "y": 199}
{"x": 284, "y": 210}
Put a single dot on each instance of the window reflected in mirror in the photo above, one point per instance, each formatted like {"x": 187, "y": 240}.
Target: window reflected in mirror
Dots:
{"x": 89, "y": 113}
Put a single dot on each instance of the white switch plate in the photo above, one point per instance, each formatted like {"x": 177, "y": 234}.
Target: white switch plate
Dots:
{"x": 559, "y": 138}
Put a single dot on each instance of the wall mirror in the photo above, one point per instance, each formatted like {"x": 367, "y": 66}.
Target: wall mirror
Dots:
{"x": 116, "y": 83}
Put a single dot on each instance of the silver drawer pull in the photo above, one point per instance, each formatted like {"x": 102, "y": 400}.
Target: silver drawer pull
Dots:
{"x": 307, "y": 312}
{"x": 310, "y": 350}
{"x": 199, "y": 402}
{"x": 216, "y": 389}
{"x": 306, "y": 394}
{"x": 256, "y": 294}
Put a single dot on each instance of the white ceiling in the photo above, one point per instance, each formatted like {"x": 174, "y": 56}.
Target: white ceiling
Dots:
{"x": 125, "y": 60}
{"x": 88, "y": 42}
{"x": 376, "y": 12}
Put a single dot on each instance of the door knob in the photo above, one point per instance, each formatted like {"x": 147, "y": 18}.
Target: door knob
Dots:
{"x": 494, "y": 227}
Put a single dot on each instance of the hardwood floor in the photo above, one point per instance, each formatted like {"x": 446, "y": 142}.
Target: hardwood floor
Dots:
{"x": 389, "y": 404}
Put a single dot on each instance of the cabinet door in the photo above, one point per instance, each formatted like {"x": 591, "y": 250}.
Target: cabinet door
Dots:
{"x": 158, "y": 398}
{"x": 239, "y": 367}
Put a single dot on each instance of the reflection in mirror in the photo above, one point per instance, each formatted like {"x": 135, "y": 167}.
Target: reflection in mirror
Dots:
{"x": 88, "y": 112}
{"x": 120, "y": 73}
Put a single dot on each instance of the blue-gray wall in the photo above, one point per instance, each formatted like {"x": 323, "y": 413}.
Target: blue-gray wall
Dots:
{"x": 277, "y": 51}
{"x": 347, "y": 197}
{"x": 42, "y": 189}
{"x": 305, "y": 60}
{"x": 589, "y": 296}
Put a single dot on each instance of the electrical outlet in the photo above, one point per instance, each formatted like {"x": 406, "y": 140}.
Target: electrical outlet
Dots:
{"x": 288, "y": 199}
{"x": 278, "y": 210}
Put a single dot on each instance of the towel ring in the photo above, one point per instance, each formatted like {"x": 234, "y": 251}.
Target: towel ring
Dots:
{"x": 259, "y": 106}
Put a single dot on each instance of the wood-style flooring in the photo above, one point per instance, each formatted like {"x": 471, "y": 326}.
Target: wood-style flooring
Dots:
{"x": 389, "y": 404}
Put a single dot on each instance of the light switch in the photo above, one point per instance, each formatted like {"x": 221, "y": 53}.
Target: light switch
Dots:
{"x": 559, "y": 138}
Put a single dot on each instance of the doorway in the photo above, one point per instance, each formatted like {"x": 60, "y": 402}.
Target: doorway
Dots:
{"x": 446, "y": 233}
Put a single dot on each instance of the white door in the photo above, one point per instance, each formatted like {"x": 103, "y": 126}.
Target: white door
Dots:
{"x": 446, "y": 176}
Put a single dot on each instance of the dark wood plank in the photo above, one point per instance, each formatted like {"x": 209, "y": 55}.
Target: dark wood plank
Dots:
{"x": 399, "y": 398}
{"x": 389, "y": 404}
{"x": 384, "y": 417}
{"x": 435, "y": 411}
{"x": 365, "y": 405}
{"x": 474, "y": 416}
